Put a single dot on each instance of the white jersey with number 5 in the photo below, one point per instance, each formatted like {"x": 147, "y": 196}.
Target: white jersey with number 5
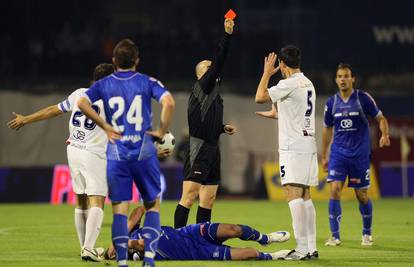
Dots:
{"x": 295, "y": 98}
{"x": 83, "y": 132}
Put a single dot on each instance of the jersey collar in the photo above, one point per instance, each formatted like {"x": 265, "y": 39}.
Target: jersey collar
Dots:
{"x": 124, "y": 74}
{"x": 296, "y": 74}
{"x": 347, "y": 100}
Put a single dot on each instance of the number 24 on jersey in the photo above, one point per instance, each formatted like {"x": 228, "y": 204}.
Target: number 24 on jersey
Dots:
{"x": 133, "y": 115}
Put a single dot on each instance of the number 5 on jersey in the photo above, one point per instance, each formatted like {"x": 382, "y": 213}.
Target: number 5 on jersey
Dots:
{"x": 308, "y": 112}
{"x": 282, "y": 171}
{"x": 133, "y": 116}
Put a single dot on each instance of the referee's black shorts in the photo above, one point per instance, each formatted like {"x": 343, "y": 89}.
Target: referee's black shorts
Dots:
{"x": 205, "y": 168}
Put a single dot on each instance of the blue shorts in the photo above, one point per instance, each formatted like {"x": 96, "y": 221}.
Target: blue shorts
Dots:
{"x": 145, "y": 174}
{"x": 356, "y": 169}
{"x": 207, "y": 246}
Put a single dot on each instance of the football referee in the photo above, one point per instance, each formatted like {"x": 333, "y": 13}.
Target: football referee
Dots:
{"x": 205, "y": 121}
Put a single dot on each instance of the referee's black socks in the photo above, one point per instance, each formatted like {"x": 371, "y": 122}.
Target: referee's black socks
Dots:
{"x": 180, "y": 216}
{"x": 203, "y": 215}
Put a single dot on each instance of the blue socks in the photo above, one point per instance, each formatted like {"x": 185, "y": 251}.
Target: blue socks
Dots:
{"x": 120, "y": 238}
{"x": 253, "y": 235}
{"x": 366, "y": 213}
{"x": 264, "y": 256}
{"x": 151, "y": 233}
{"x": 335, "y": 215}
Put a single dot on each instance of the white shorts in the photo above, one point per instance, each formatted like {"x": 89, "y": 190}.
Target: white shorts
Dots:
{"x": 88, "y": 172}
{"x": 298, "y": 168}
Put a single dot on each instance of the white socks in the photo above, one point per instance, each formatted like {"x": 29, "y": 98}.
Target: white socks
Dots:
{"x": 80, "y": 224}
{"x": 297, "y": 210}
{"x": 311, "y": 225}
{"x": 93, "y": 226}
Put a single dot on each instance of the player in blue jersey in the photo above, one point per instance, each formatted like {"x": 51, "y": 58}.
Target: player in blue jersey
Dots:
{"x": 346, "y": 118}
{"x": 202, "y": 241}
{"x": 131, "y": 153}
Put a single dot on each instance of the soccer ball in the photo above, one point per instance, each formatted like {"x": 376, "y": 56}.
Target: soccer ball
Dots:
{"x": 167, "y": 142}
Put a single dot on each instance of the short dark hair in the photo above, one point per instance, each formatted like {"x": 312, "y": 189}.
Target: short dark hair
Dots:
{"x": 102, "y": 70}
{"x": 125, "y": 53}
{"x": 342, "y": 66}
{"x": 291, "y": 56}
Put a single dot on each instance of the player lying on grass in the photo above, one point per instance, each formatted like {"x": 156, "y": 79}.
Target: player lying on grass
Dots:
{"x": 202, "y": 241}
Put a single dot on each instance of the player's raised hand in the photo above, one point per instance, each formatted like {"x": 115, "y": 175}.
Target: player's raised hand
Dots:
{"x": 269, "y": 64}
{"x": 228, "y": 26}
{"x": 384, "y": 141}
{"x": 272, "y": 114}
{"x": 17, "y": 123}
{"x": 230, "y": 129}
{"x": 112, "y": 133}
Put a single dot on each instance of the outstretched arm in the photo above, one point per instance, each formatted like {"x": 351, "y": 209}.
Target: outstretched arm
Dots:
{"x": 269, "y": 69}
{"x": 208, "y": 80}
{"x": 20, "y": 120}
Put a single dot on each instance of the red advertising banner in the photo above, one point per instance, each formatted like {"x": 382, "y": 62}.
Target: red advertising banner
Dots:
{"x": 62, "y": 186}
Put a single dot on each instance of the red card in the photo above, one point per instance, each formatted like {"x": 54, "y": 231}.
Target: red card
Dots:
{"x": 230, "y": 14}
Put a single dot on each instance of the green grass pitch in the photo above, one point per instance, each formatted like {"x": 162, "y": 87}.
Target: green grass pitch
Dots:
{"x": 44, "y": 235}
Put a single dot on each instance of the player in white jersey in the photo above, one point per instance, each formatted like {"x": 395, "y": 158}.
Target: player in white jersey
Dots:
{"x": 295, "y": 99}
{"x": 86, "y": 152}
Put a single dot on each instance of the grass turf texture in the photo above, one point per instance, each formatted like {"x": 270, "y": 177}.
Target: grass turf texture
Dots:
{"x": 44, "y": 235}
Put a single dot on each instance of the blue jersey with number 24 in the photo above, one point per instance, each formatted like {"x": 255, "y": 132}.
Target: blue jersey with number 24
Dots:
{"x": 127, "y": 103}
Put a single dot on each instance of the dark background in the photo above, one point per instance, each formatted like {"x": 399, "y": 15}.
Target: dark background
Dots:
{"x": 54, "y": 45}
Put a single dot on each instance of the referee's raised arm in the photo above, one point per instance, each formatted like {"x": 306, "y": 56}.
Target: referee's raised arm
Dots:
{"x": 202, "y": 168}
{"x": 208, "y": 72}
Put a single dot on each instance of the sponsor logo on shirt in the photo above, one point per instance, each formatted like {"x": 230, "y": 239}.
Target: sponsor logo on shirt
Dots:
{"x": 346, "y": 123}
{"x": 132, "y": 138}
{"x": 79, "y": 135}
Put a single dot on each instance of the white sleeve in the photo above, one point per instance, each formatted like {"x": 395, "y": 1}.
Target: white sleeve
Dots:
{"x": 279, "y": 91}
{"x": 68, "y": 104}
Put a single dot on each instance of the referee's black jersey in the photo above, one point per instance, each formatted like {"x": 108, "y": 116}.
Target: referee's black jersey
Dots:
{"x": 205, "y": 106}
